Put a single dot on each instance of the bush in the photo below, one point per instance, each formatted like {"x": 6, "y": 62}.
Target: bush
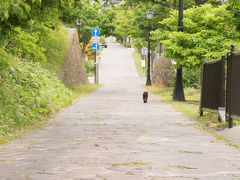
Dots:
{"x": 89, "y": 64}
{"x": 191, "y": 78}
{"x": 41, "y": 44}
{"x": 28, "y": 93}
{"x": 127, "y": 45}
{"x": 25, "y": 46}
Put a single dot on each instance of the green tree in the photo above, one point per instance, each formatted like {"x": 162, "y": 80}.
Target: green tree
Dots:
{"x": 91, "y": 15}
{"x": 208, "y": 33}
{"x": 235, "y": 3}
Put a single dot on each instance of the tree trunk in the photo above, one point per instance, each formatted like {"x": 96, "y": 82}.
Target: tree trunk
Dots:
{"x": 174, "y": 4}
{"x": 178, "y": 94}
{"x": 200, "y": 2}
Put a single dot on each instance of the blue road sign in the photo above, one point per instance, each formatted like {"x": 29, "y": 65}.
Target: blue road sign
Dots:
{"x": 95, "y": 32}
{"x": 95, "y": 47}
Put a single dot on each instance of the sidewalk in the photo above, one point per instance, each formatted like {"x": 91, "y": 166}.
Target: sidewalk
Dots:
{"x": 112, "y": 135}
{"x": 231, "y": 134}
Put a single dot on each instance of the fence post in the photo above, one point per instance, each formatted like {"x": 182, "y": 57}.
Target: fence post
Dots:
{"x": 201, "y": 85}
{"x": 222, "y": 96}
{"x": 229, "y": 86}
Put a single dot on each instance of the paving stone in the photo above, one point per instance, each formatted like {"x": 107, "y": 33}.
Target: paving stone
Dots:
{"x": 112, "y": 135}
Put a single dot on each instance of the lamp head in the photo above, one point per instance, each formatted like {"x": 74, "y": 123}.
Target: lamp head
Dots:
{"x": 78, "y": 22}
{"x": 150, "y": 14}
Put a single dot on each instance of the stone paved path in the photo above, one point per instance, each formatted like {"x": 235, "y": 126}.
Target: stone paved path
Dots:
{"x": 111, "y": 135}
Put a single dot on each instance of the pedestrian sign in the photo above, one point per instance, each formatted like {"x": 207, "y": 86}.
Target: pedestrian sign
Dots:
{"x": 95, "y": 32}
{"x": 95, "y": 47}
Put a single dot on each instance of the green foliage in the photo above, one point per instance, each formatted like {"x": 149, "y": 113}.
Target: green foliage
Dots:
{"x": 15, "y": 8}
{"x": 24, "y": 13}
{"x": 132, "y": 22}
{"x": 208, "y": 33}
{"x": 55, "y": 44}
{"x": 138, "y": 62}
{"x": 25, "y": 46}
{"x": 106, "y": 22}
{"x": 41, "y": 44}
{"x": 235, "y": 3}
{"x": 91, "y": 15}
{"x": 28, "y": 93}
{"x": 89, "y": 64}
{"x": 190, "y": 78}
{"x": 84, "y": 89}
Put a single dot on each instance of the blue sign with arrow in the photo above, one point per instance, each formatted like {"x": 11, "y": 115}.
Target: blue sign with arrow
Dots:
{"x": 96, "y": 32}
{"x": 95, "y": 47}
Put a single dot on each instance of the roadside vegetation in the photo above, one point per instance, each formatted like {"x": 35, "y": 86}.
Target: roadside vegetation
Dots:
{"x": 83, "y": 90}
{"x": 137, "y": 58}
{"x": 209, "y": 29}
{"x": 190, "y": 108}
{"x": 33, "y": 43}
{"x": 29, "y": 89}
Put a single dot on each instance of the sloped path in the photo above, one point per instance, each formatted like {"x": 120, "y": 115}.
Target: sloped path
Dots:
{"x": 111, "y": 135}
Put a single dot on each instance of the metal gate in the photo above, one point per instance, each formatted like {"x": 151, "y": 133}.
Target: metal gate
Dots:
{"x": 213, "y": 85}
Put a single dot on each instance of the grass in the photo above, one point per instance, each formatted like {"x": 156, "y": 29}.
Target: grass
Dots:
{"x": 128, "y": 164}
{"x": 208, "y": 122}
{"x": 138, "y": 59}
{"x": 190, "y": 107}
{"x": 83, "y": 90}
{"x": 76, "y": 93}
{"x": 182, "y": 167}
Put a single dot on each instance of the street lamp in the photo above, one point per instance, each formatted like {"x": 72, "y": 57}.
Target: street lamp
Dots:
{"x": 78, "y": 22}
{"x": 150, "y": 14}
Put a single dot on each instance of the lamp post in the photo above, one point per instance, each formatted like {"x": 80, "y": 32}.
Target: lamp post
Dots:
{"x": 150, "y": 14}
{"x": 178, "y": 93}
{"x": 78, "y": 22}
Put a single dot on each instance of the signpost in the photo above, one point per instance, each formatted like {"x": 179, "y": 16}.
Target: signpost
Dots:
{"x": 144, "y": 51}
{"x": 95, "y": 32}
{"x": 143, "y": 64}
{"x": 95, "y": 47}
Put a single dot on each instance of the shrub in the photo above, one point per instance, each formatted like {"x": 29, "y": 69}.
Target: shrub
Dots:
{"x": 28, "y": 93}
{"x": 191, "y": 78}
{"x": 25, "y": 46}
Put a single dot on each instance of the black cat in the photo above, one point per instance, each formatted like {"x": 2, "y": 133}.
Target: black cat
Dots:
{"x": 145, "y": 96}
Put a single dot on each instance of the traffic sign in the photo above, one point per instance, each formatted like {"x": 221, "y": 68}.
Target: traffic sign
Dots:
{"x": 95, "y": 32}
{"x": 143, "y": 64}
{"x": 95, "y": 47}
{"x": 95, "y": 39}
{"x": 144, "y": 51}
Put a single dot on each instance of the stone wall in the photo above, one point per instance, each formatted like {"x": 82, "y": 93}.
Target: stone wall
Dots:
{"x": 73, "y": 71}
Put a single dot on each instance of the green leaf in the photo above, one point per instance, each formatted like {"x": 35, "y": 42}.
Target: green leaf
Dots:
{"x": 6, "y": 14}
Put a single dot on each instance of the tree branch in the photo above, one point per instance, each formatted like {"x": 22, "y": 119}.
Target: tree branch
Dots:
{"x": 162, "y": 2}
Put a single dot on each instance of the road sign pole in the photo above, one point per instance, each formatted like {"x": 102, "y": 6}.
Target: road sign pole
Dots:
{"x": 97, "y": 67}
{"x": 95, "y": 47}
